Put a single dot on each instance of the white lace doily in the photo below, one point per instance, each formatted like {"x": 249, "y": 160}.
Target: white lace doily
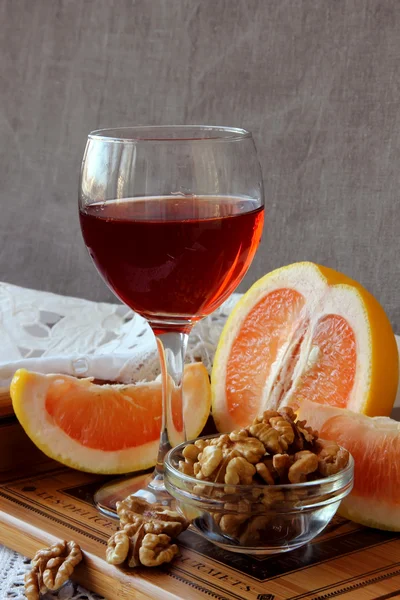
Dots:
{"x": 57, "y": 334}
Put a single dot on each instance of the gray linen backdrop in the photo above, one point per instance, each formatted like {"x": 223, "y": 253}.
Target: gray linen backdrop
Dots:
{"x": 317, "y": 81}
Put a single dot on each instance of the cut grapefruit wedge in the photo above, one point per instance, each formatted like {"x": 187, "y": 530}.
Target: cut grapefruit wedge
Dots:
{"x": 304, "y": 331}
{"x": 374, "y": 443}
{"x": 104, "y": 428}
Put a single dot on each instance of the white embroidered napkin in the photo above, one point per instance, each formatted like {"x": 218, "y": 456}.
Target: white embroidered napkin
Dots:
{"x": 49, "y": 333}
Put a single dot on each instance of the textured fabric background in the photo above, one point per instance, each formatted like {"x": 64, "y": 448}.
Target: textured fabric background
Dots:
{"x": 318, "y": 82}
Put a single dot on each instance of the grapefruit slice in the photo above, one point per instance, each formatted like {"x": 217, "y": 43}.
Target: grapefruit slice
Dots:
{"x": 304, "y": 331}
{"x": 104, "y": 428}
{"x": 374, "y": 443}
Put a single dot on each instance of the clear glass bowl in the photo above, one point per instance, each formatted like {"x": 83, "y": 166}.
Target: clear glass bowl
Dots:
{"x": 256, "y": 519}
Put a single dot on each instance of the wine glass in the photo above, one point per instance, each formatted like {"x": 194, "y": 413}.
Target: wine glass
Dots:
{"x": 172, "y": 217}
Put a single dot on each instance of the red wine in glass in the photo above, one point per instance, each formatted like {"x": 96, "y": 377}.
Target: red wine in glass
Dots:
{"x": 176, "y": 256}
{"x": 172, "y": 217}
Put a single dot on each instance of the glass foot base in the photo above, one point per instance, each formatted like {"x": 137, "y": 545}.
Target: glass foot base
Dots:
{"x": 147, "y": 486}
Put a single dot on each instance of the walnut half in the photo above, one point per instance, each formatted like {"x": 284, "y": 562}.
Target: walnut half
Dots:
{"x": 156, "y": 549}
{"x": 117, "y": 548}
{"x": 32, "y": 585}
{"x": 331, "y": 458}
{"x": 51, "y": 568}
{"x": 305, "y": 462}
{"x": 136, "y": 511}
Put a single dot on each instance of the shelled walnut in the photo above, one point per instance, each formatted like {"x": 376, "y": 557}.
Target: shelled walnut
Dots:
{"x": 136, "y": 510}
{"x": 145, "y": 535}
{"x": 51, "y": 568}
{"x": 305, "y": 462}
{"x": 117, "y": 548}
{"x": 156, "y": 549}
{"x": 331, "y": 458}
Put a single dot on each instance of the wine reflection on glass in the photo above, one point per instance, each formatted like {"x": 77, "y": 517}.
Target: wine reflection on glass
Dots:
{"x": 172, "y": 218}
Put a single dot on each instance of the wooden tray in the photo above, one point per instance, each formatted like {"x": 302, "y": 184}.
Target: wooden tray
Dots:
{"x": 53, "y": 502}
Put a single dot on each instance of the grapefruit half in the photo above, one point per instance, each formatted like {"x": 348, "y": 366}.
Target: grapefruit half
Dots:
{"x": 107, "y": 429}
{"x": 304, "y": 331}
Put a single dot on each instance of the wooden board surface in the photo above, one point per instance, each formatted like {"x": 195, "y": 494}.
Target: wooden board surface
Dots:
{"x": 5, "y": 404}
{"x": 346, "y": 562}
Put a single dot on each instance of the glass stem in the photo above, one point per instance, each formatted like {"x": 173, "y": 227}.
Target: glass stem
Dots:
{"x": 172, "y": 349}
